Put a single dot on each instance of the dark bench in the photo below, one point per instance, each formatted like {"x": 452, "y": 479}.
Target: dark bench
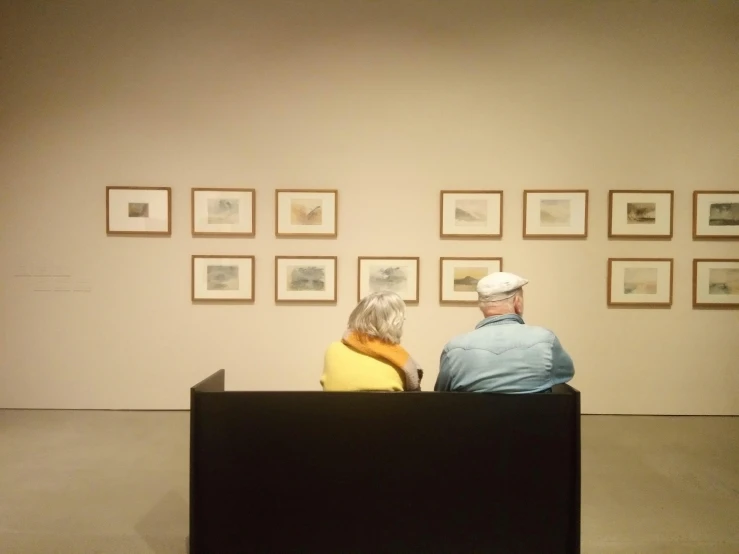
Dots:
{"x": 356, "y": 473}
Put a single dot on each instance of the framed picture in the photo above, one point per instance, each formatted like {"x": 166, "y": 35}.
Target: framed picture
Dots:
{"x": 306, "y": 213}
{"x": 555, "y": 214}
{"x": 223, "y": 278}
{"x": 138, "y": 210}
{"x": 640, "y": 282}
{"x": 222, "y": 212}
{"x": 458, "y": 278}
{"x": 640, "y": 214}
{"x": 716, "y": 283}
{"x": 305, "y": 279}
{"x": 471, "y": 213}
{"x": 396, "y": 274}
{"x": 716, "y": 215}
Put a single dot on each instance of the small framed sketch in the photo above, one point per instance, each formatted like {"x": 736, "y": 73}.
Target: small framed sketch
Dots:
{"x": 222, "y": 212}
{"x": 716, "y": 283}
{"x": 471, "y": 213}
{"x": 138, "y": 210}
{"x": 640, "y": 214}
{"x": 395, "y": 274}
{"x": 305, "y": 279}
{"x": 458, "y": 278}
{"x": 716, "y": 215}
{"x": 223, "y": 278}
{"x": 640, "y": 282}
{"x": 555, "y": 214}
{"x": 309, "y": 213}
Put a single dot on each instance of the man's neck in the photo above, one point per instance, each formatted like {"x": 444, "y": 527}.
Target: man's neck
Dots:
{"x": 497, "y": 313}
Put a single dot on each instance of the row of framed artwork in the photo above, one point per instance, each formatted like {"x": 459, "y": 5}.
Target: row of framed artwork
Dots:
{"x": 647, "y": 282}
{"x": 632, "y": 282}
{"x": 220, "y": 212}
{"x": 464, "y": 214}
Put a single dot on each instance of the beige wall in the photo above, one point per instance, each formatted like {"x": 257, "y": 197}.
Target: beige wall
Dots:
{"x": 389, "y": 102}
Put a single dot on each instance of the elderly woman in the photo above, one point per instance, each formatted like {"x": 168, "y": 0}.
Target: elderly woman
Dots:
{"x": 369, "y": 356}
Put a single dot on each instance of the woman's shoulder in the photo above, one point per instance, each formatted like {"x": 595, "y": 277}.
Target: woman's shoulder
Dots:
{"x": 337, "y": 349}
{"x": 336, "y": 346}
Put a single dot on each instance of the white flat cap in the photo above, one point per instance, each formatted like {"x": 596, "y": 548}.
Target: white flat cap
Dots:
{"x": 499, "y": 285}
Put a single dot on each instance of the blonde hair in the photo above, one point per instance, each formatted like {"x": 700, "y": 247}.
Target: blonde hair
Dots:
{"x": 381, "y": 315}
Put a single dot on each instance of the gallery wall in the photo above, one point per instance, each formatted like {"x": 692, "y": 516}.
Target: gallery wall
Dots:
{"x": 388, "y": 102}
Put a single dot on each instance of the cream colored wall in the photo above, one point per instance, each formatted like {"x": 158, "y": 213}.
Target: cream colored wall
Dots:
{"x": 389, "y": 102}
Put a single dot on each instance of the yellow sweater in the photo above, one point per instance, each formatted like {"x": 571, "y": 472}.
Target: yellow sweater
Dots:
{"x": 345, "y": 369}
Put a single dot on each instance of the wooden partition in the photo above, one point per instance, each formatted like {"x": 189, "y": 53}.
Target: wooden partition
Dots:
{"x": 356, "y": 473}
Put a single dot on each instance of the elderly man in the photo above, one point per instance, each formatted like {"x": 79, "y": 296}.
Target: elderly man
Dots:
{"x": 502, "y": 353}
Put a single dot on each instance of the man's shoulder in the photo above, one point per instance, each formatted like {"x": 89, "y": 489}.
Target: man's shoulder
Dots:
{"x": 463, "y": 340}
{"x": 477, "y": 337}
{"x": 537, "y": 331}
{"x": 533, "y": 335}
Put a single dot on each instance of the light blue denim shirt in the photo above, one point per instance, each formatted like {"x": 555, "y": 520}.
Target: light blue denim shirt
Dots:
{"x": 503, "y": 354}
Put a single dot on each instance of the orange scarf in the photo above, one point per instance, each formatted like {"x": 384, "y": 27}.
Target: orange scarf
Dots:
{"x": 393, "y": 354}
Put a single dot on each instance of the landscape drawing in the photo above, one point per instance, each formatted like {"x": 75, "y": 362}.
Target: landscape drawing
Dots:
{"x": 638, "y": 213}
{"x": 723, "y": 281}
{"x": 466, "y": 278}
{"x": 388, "y": 278}
{"x": 223, "y": 277}
{"x": 306, "y": 278}
{"x": 471, "y": 212}
{"x": 223, "y": 210}
{"x": 724, "y": 214}
{"x": 138, "y": 209}
{"x": 555, "y": 213}
{"x": 306, "y": 212}
{"x": 640, "y": 280}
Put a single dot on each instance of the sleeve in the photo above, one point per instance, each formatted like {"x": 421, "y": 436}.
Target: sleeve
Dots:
{"x": 563, "y": 369}
{"x": 324, "y": 374}
{"x": 443, "y": 381}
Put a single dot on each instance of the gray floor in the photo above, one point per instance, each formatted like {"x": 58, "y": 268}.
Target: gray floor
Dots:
{"x": 116, "y": 483}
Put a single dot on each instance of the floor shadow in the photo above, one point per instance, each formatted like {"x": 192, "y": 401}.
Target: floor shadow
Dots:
{"x": 164, "y": 528}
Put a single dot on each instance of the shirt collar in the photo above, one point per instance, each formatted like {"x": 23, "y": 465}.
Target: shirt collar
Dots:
{"x": 506, "y": 319}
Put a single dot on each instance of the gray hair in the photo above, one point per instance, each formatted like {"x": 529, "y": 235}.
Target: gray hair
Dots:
{"x": 381, "y": 315}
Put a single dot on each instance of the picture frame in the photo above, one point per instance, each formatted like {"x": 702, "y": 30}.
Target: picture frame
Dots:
{"x": 222, "y": 278}
{"x": 640, "y": 282}
{"x": 398, "y": 274}
{"x": 640, "y": 214}
{"x": 458, "y": 278}
{"x": 471, "y": 214}
{"x": 305, "y": 279}
{"x": 306, "y": 213}
{"x": 716, "y": 215}
{"x": 138, "y": 211}
{"x": 555, "y": 214}
{"x": 716, "y": 283}
{"x": 223, "y": 212}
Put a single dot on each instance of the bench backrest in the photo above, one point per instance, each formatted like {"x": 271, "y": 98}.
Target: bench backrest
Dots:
{"x": 325, "y": 473}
